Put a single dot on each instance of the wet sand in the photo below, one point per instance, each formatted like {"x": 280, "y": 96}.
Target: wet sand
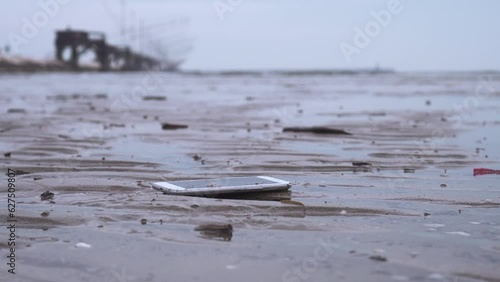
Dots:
{"x": 408, "y": 209}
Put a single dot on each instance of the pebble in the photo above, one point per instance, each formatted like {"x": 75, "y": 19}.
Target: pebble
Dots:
{"x": 378, "y": 258}
{"x": 461, "y": 233}
{"x": 47, "y": 195}
{"x": 434, "y": 225}
{"x": 83, "y": 245}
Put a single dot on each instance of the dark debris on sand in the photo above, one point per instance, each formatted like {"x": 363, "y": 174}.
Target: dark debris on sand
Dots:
{"x": 172, "y": 126}
{"x": 317, "y": 130}
{"x": 47, "y": 195}
{"x": 378, "y": 258}
{"x": 361, "y": 164}
{"x": 154, "y": 98}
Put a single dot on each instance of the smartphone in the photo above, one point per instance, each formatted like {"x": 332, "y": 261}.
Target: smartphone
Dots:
{"x": 230, "y": 185}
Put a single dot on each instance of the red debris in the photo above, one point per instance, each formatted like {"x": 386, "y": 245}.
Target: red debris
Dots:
{"x": 483, "y": 171}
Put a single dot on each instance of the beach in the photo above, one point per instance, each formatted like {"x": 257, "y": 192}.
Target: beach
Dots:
{"x": 394, "y": 199}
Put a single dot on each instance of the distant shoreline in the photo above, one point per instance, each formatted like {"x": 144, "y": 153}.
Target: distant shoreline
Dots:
{"x": 18, "y": 64}
{"x": 28, "y": 65}
{"x": 14, "y": 64}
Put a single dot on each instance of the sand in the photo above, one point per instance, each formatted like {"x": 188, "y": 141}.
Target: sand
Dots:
{"x": 409, "y": 209}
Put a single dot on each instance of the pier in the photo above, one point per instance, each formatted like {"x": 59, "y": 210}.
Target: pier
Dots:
{"x": 109, "y": 57}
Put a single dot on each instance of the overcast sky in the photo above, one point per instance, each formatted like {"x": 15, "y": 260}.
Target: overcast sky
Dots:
{"x": 276, "y": 34}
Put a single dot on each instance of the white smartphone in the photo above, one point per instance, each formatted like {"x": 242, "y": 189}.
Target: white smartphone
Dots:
{"x": 230, "y": 185}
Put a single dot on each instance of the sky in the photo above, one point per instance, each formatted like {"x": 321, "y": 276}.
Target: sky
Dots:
{"x": 406, "y": 35}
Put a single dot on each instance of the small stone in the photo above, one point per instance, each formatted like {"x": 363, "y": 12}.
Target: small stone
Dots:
{"x": 461, "y": 233}
{"x": 434, "y": 225}
{"x": 16, "y": 111}
{"x": 172, "y": 126}
{"x": 47, "y": 195}
{"x": 361, "y": 164}
{"x": 144, "y": 221}
{"x": 378, "y": 258}
{"x": 83, "y": 245}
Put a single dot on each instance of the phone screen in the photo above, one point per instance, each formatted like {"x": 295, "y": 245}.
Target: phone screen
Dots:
{"x": 222, "y": 182}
